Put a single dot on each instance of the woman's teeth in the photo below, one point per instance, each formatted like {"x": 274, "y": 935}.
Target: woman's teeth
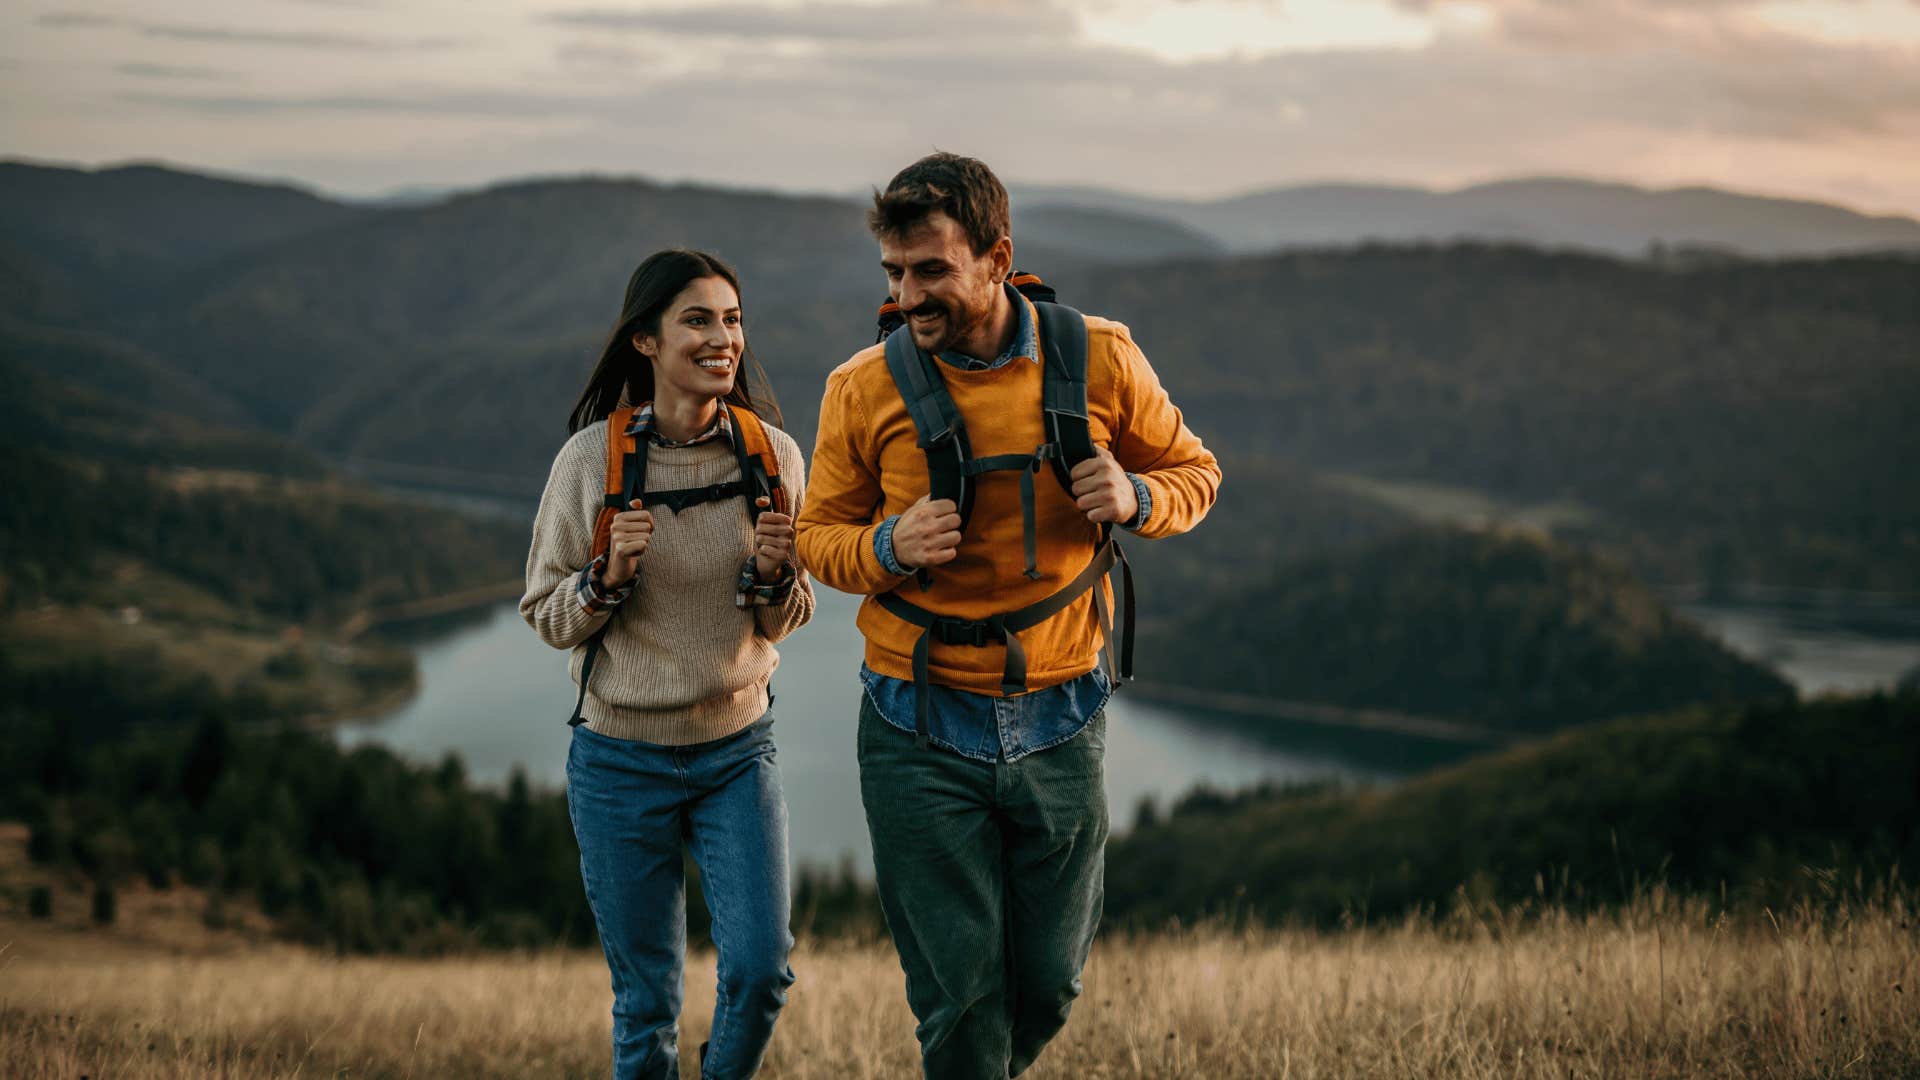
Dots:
{"x": 715, "y": 365}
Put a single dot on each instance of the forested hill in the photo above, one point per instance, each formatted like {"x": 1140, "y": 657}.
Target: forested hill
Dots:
{"x": 1498, "y": 631}
{"x": 1724, "y": 421}
{"x": 130, "y": 226}
{"x": 1752, "y": 806}
{"x": 156, "y": 565}
{"x": 109, "y": 503}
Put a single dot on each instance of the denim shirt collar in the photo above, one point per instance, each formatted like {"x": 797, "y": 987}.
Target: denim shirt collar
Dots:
{"x": 1025, "y": 342}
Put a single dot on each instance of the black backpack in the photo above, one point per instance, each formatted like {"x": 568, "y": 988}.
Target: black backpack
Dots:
{"x": 952, "y": 471}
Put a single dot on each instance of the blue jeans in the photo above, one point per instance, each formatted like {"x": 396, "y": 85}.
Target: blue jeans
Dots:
{"x": 633, "y": 805}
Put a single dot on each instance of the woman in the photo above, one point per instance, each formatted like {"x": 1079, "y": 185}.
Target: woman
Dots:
{"x": 672, "y": 630}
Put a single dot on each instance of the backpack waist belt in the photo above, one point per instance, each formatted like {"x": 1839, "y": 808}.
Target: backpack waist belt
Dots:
{"x": 1005, "y": 629}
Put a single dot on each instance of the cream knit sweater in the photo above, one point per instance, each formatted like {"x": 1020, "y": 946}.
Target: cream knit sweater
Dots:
{"x": 682, "y": 663}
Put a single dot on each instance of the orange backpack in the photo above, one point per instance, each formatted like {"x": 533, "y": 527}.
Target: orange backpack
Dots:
{"x": 759, "y": 485}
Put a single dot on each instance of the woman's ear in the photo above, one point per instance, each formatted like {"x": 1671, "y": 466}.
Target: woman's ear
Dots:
{"x": 643, "y": 343}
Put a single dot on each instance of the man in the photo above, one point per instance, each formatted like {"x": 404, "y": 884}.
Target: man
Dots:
{"x": 982, "y": 780}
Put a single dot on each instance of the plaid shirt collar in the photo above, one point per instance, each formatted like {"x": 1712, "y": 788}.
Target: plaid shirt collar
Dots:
{"x": 722, "y": 427}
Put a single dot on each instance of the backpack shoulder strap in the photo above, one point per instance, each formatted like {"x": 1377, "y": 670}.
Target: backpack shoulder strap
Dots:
{"x": 626, "y": 474}
{"x": 935, "y": 416}
{"x": 759, "y": 465}
{"x": 626, "y": 478}
{"x": 942, "y": 434}
{"x": 1063, "y": 336}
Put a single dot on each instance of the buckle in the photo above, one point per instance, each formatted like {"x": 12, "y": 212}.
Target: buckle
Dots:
{"x": 963, "y": 632}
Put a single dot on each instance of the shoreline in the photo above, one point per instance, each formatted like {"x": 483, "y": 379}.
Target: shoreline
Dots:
{"x": 370, "y": 711}
{"x": 1333, "y": 716}
{"x": 479, "y": 596}
{"x": 377, "y": 708}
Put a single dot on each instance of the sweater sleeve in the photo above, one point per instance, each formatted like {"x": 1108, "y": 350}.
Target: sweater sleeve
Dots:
{"x": 563, "y": 545}
{"x": 776, "y": 621}
{"x": 834, "y": 534}
{"x": 1151, "y": 441}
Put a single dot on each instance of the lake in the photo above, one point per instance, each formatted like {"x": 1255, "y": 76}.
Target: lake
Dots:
{"x": 493, "y": 693}
{"x": 490, "y": 691}
{"x": 1831, "y": 649}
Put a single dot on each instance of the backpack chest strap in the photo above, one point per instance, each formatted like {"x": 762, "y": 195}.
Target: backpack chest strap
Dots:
{"x": 941, "y": 433}
{"x": 1027, "y": 465}
{"x": 1005, "y": 629}
{"x": 679, "y": 499}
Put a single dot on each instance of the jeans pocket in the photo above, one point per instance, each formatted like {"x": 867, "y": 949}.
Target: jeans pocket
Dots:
{"x": 575, "y": 747}
{"x": 1096, "y": 732}
{"x": 868, "y": 730}
{"x": 761, "y": 744}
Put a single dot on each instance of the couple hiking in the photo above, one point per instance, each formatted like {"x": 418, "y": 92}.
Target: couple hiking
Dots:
{"x": 970, "y": 472}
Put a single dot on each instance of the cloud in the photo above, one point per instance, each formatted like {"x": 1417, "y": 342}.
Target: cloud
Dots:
{"x": 602, "y": 56}
{"x": 169, "y": 71}
{"x": 1448, "y": 98}
{"x": 939, "y": 23}
{"x": 841, "y": 94}
{"x": 70, "y": 20}
{"x": 1588, "y": 26}
{"x": 428, "y": 102}
{"x": 298, "y": 39}
{"x": 1598, "y": 7}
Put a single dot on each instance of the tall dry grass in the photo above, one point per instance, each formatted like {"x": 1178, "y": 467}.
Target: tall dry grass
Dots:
{"x": 1662, "y": 989}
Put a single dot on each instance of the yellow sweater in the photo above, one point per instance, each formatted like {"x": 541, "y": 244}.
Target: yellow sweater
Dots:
{"x": 867, "y": 466}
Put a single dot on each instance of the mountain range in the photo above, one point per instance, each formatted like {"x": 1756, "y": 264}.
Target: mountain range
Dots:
{"x": 1544, "y": 211}
{"x": 1588, "y": 215}
{"x": 1721, "y": 420}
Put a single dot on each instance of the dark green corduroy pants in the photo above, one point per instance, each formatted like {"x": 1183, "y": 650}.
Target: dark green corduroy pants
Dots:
{"x": 991, "y": 875}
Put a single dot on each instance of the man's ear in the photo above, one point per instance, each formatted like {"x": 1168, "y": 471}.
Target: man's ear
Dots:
{"x": 1001, "y": 256}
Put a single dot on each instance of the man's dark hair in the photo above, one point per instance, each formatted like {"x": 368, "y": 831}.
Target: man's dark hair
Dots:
{"x": 963, "y": 188}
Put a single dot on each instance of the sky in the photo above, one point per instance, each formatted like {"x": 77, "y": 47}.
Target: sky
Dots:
{"x": 1816, "y": 99}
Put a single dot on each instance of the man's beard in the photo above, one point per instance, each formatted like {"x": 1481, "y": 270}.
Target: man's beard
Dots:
{"x": 954, "y": 326}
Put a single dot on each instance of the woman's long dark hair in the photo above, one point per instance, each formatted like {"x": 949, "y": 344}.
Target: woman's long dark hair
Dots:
{"x": 624, "y": 375}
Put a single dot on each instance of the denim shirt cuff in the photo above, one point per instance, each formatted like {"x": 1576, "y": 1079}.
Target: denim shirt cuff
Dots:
{"x": 883, "y": 547}
{"x": 1145, "y": 498}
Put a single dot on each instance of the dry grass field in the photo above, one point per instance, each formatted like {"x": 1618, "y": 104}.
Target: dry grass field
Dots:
{"x": 1663, "y": 990}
